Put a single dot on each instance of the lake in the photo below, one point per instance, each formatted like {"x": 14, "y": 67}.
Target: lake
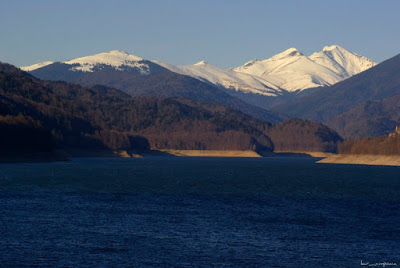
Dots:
{"x": 185, "y": 212}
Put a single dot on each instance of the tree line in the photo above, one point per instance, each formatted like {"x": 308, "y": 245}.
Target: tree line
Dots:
{"x": 374, "y": 146}
{"x": 71, "y": 116}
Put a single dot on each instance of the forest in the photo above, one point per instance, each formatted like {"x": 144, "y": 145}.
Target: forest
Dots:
{"x": 160, "y": 83}
{"x": 41, "y": 115}
{"x": 374, "y": 146}
{"x": 303, "y": 135}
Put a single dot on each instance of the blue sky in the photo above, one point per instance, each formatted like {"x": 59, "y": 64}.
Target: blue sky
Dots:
{"x": 224, "y": 33}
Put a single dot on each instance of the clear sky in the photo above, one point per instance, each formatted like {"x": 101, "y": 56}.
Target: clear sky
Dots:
{"x": 224, "y": 33}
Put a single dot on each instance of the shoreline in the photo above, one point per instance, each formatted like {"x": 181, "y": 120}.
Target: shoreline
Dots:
{"x": 304, "y": 154}
{"x": 210, "y": 153}
{"x": 103, "y": 153}
{"x": 362, "y": 159}
{"x": 61, "y": 155}
{"x": 37, "y": 157}
{"x": 163, "y": 152}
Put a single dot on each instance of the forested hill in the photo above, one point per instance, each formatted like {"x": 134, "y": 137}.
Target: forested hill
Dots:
{"x": 100, "y": 117}
{"x": 160, "y": 84}
{"x": 64, "y": 115}
{"x": 369, "y": 119}
{"x": 374, "y": 84}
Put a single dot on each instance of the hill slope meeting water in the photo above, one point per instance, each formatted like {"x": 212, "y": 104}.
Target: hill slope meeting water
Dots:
{"x": 59, "y": 115}
{"x": 264, "y": 83}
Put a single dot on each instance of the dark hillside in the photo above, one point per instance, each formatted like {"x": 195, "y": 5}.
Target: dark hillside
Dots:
{"x": 100, "y": 117}
{"x": 369, "y": 119}
{"x": 106, "y": 118}
{"x": 376, "y": 83}
{"x": 160, "y": 84}
{"x": 299, "y": 135}
{"x": 22, "y": 134}
{"x": 372, "y": 146}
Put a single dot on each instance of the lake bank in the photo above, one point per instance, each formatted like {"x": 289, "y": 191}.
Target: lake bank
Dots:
{"x": 381, "y": 160}
{"x": 303, "y": 154}
{"x": 163, "y": 152}
{"x": 214, "y": 153}
{"x": 210, "y": 153}
{"x": 61, "y": 155}
{"x": 35, "y": 157}
{"x": 103, "y": 153}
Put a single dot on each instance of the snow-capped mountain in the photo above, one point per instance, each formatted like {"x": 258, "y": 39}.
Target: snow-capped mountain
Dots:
{"x": 292, "y": 71}
{"x": 36, "y": 66}
{"x": 341, "y": 61}
{"x": 115, "y": 59}
{"x": 142, "y": 78}
{"x": 225, "y": 78}
{"x": 289, "y": 71}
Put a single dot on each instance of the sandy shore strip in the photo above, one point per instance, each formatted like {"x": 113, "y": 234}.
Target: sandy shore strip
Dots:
{"x": 380, "y": 160}
{"x": 102, "y": 153}
{"x": 305, "y": 153}
{"x": 165, "y": 152}
{"x": 192, "y": 153}
{"x": 212, "y": 153}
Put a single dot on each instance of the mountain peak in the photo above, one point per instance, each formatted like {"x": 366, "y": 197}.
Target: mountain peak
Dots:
{"x": 113, "y": 55}
{"x": 291, "y": 70}
{"x": 342, "y": 61}
{"x": 201, "y": 63}
{"x": 332, "y": 47}
{"x": 118, "y": 52}
{"x": 115, "y": 58}
{"x": 291, "y": 52}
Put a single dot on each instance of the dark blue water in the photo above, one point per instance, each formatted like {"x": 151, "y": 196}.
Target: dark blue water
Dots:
{"x": 185, "y": 212}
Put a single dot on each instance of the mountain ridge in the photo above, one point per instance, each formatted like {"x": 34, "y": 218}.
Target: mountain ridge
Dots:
{"x": 157, "y": 82}
{"x": 285, "y": 72}
{"x": 72, "y": 116}
{"x": 293, "y": 71}
{"x": 355, "y": 107}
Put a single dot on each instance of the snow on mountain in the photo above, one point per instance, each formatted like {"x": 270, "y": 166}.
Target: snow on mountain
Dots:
{"x": 225, "y": 78}
{"x": 342, "y": 61}
{"x": 35, "y": 66}
{"x": 116, "y": 59}
{"x": 292, "y": 71}
{"x": 286, "y": 71}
